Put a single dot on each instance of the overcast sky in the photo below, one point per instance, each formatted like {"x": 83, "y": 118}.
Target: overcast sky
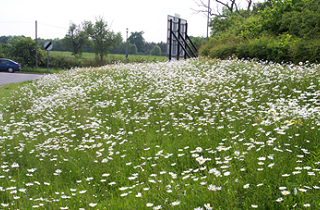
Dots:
{"x": 17, "y": 17}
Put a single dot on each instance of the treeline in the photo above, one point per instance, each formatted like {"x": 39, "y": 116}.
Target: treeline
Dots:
{"x": 22, "y": 50}
{"x": 278, "y": 31}
{"x": 120, "y": 48}
{"x": 82, "y": 38}
{"x": 94, "y": 37}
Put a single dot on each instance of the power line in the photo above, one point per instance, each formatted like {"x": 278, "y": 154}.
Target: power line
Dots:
{"x": 23, "y": 22}
{"x": 54, "y": 26}
{"x": 1, "y": 21}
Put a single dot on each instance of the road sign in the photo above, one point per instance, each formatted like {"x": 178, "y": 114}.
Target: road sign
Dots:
{"x": 48, "y": 45}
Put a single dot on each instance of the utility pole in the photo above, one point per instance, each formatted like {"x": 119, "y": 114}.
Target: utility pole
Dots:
{"x": 208, "y": 20}
{"x": 127, "y": 46}
{"x": 36, "y": 45}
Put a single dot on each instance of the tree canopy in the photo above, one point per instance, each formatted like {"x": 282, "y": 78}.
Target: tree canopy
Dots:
{"x": 137, "y": 39}
{"x": 84, "y": 37}
{"x": 21, "y": 49}
{"x": 102, "y": 37}
{"x": 286, "y": 30}
{"x": 75, "y": 39}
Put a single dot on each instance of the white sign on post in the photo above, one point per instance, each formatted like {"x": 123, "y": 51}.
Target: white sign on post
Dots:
{"x": 48, "y": 46}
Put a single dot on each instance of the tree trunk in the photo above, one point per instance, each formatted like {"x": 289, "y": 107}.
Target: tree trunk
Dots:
{"x": 101, "y": 56}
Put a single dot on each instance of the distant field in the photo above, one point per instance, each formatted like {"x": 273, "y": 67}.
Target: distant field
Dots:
{"x": 115, "y": 57}
{"x": 89, "y": 59}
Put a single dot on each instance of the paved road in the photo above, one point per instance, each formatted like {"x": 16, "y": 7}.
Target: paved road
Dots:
{"x": 6, "y": 78}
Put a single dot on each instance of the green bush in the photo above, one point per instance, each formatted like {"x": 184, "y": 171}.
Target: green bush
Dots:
{"x": 63, "y": 62}
{"x": 284, "y": 48}
{"x": 223, "y": 51}
{"x": 306, "y": 50}
{"x": 255, "y": 48}
{"x": 278, "y": 31}
{"x": 156, "y": 50}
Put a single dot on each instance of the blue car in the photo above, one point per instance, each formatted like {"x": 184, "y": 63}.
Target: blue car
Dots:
{"x": 9, "y": 65}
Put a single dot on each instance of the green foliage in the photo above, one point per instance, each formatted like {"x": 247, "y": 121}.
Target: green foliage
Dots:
{"x": 156, "y": 51}
{"x": 300, "y": 18}
{"x": 103, "y": 39}
{"x": 137, "y": 39}
{"x": 4, "y": 39}
{"x": 60, "y": 61}
{"x": 275, "y": 30}
{"x": 3, "y": 50}
{"x": 306, "y": 50}
{"x": 284, "y": 48}
{"x": 260, "y": 6}
{"x": 223, "y": 51}
{"x": 198, "y": 42}
{"x": 66, "y": 60}
{"x": 132, "y": 49}
{"x": 75, "y": 39}
{"x": 221, "y": 26}
{"x": 24, "y": 51}
{"x": 304, "y": 22}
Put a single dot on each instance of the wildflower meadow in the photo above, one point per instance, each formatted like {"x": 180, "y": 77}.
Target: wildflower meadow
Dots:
{"x": 192, "y": 134}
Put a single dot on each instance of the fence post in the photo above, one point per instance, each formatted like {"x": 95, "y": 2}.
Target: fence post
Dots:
{"x": 170, "y": 40}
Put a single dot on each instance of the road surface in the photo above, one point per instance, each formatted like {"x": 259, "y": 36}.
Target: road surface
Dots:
{"x": 6, "y": 78}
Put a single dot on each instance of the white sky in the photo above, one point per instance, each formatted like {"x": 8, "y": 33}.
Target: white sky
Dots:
{"x": 17, "y": 17}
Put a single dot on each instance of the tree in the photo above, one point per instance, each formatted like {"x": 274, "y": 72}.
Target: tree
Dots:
{"x": 103, "y": 39}
{"x": 3, "y": 50}
{"x": 163, "y": 47}
{"x": 222, "y": 7}
{"x": 13, "y": 41}
{"x": 156, "y": 51}
{"x": 275, "y": 30}
{"x": 132, "y": 49}
{"x": 75, "y": 39}
{"x": 4, "y": 39}
{"x": 137, "y": 39}
{"x": 24, "y": 52}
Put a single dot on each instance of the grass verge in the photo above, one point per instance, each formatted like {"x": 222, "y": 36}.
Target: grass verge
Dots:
{"x": 190, "y": 134}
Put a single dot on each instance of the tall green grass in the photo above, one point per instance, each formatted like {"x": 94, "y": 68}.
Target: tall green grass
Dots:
{"x": 62, "y": 61}
{"x": 114, "y": 57}
{"x": 194, "y": 134}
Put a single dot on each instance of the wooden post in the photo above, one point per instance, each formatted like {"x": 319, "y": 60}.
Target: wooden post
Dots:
{"x": 36, "y": 45}
{"x": 170, "y": 40}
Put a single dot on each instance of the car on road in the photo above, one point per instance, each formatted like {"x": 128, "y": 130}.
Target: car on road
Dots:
{"x": 9, "y": 65}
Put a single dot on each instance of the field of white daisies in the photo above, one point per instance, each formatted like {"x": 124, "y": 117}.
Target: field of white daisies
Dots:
{"x": 194, "y": 134}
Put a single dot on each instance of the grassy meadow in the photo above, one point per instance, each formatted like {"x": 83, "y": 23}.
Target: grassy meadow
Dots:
{"x": 194, "y": 134}
{"x": 114, "y": 57}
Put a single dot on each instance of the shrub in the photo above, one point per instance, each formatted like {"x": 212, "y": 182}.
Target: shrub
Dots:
{"x": 223, "y": 51}
{"x": 63, "y": 62}
{"x": 156, "y": 50}
{"x": 132, "y": 49}
{"x": 306, "y": 50}
{"x": 284, "y": 48}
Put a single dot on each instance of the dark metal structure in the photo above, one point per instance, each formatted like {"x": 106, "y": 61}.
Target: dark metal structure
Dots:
{"x": 179, "y": 45}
